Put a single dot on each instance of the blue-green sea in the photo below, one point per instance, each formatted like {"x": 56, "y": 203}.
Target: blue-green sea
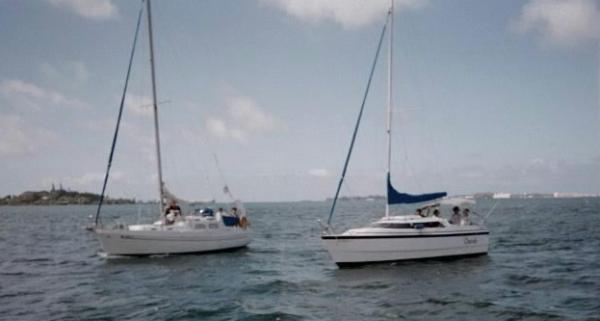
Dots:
{"x": 544, "y": 264}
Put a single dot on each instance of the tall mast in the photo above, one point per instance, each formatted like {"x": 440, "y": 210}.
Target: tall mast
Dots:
{"x": 154, "y": 104}
{"x": 389, "y": 101}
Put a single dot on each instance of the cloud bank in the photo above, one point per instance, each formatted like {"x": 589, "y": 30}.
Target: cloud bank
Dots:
{"x": 319, "y": 172}
{"x": 92, "y": 9}
{"x": 560, "y": 22}
{"x": 243, "y": 120}
{"x": 139, "y": 105}
{"x": 69, "y": 73}
{"x": 21, "y": 93}
{"x": 17, "y": 138}
{"x": 348, "y": 13}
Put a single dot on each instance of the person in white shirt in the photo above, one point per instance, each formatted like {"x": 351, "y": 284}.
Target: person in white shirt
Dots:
{"x": 465, "y": 220}
{"x": 172, "y": 212}
{"x": 455, "y": 219}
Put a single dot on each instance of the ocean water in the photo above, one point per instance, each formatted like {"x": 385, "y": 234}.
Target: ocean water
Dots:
{"x": 544, "y": 264}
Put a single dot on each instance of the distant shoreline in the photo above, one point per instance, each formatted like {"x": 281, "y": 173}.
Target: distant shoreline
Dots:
{"x": 486, "y": 195}
{"x": 60, "y": 197}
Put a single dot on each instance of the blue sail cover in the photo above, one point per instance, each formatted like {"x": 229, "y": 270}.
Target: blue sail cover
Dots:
{"x": 395, "y": 197}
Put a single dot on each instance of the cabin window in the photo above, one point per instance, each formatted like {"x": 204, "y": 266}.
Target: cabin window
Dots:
{"x": 213, "y": 225}
{"x": 407, "y": 225}
{"x": 392, "y": 225}
{"x": 432, "y": 224}
{"x": 200, "y": 226}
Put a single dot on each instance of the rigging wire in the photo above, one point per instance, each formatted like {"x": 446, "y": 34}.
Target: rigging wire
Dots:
{"x": 362, "y": 107}
{"x": 226, "y": 189}
{"x": 116, "y": 134}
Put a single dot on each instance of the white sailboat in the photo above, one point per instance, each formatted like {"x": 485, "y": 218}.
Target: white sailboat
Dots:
{"x": 174, "y": 233}
{"x": 404, "y": 237}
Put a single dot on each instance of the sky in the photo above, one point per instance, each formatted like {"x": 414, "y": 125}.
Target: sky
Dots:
{"x": 488, "y": 96}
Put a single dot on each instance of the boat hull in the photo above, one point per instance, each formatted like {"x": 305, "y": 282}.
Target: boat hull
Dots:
{"x": 126, "y": 242}
{"x": 348, "y": 250}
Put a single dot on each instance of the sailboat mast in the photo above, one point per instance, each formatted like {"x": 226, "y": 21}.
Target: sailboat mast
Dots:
{"x": 155, "y": 107}
{"x": 389, "y": 101}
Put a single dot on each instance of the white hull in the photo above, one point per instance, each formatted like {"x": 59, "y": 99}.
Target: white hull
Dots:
{"x": 348, "y": 250}
{"x": 126, "y": 242}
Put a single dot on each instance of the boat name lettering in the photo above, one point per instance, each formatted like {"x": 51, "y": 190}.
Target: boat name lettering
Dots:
{"x": 470, "y": 240}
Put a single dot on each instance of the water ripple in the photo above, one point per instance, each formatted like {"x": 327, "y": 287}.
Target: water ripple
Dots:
{"x": 543, "y": 265}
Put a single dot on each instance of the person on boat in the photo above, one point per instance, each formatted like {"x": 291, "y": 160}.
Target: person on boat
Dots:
{"x": 465, "y": 217}
{"x": 235, "y": 213}
{"x": 172, "y": 211}
{"x": 455, "y": 218}
{"x": 219, "y": 214}
{"x": 436, "y": 212}
{"x": 420, "y": 212}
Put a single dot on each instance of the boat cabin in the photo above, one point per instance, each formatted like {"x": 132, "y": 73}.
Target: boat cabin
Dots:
{"x": 410, "y": 222}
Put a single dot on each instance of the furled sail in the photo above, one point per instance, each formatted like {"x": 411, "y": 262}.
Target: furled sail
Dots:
{"x": 395, "y": 197}
{"x": 168, "y": 196}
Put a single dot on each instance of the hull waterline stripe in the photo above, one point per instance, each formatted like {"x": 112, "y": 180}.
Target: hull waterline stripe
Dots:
{"x": 442, "y": 257}
{"x": 129, "y": 237}
{"x": 350, "y": 237}
{"x": 227, "y": 249}
{"x": 173, "y": 239}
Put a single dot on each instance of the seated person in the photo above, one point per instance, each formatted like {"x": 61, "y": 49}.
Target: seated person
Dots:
{"x": 420, "y": 212}
{"x": 172, "y": 211}
{"x": 465, "y": 217}
{"x": 436, "y": 212}
{"x": 229, "y": 219}
{"x": 455, "y": 219}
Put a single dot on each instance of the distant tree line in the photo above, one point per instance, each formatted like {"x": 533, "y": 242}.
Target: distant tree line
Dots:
{"x": 59, "y": 197}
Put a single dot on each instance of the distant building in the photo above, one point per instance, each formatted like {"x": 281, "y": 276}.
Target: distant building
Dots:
{"x": 501, "y": 195}
{"x": 572, "y": 195}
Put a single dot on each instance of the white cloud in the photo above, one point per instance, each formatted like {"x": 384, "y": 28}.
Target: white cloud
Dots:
{"x": 139, "y": 105}
{"x": 93, "y": 9}
{"x": 319, "y": 172}
{"x": 238, "y": 134}
{"x": 249, "y": 117}
{"x": 71, "y": 73}
{"x": 18, "y": 138}
{"x": 348, "y": 13}
{"x": 79, "y": 70}
{"x": 561, "y": 22}
{"x": 21, "y": 93}
{"x": 216, "y": 127}
{"x": 244, "y": 119}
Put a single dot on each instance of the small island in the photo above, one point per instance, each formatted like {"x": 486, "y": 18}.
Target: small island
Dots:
{"x": 59, "y": 196}
{"x": 369, "y": 198}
